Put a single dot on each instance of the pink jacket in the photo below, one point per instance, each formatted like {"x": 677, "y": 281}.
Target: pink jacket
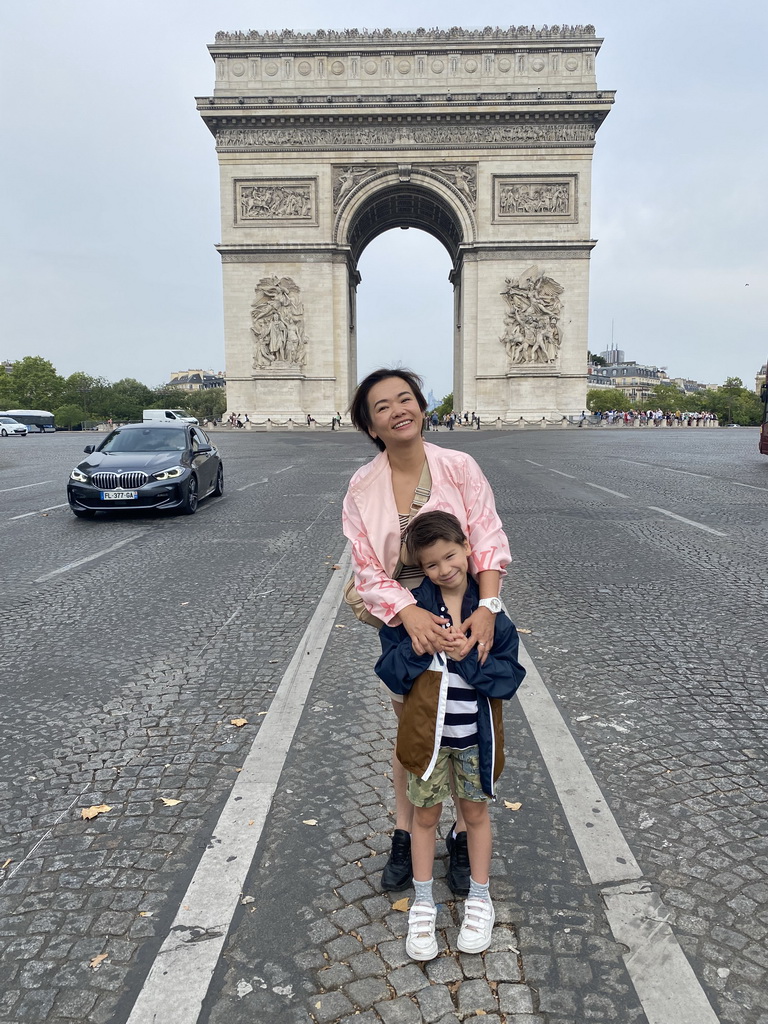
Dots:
{"x": 370, "y": 522}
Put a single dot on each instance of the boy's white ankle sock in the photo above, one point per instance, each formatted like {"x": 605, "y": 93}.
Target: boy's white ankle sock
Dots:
{"x": 477, "y": 891}
{"x": 423, "y": 892}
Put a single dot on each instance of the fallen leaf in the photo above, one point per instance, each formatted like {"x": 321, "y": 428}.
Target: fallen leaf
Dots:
{"x": 96, "y": 962}
{"x": 512, "y": 807}
{"x": 167, "y": 802}
{"x": 339, "y": 627}
{"x": 309, "y": 821}
{"x": 93, "y": 811}
{"x": 184, "y": 604}
{"x": 401, "y": 905}
{"x": 10, "y": 859}
{"x": 260, "y": 713}
{"x": 146, "y": 913}
{"x": 521, "y": 630}
{"x": 44, "y": 513}
{"x": 481, "y": 1013}
{"x": 335, "y": 566}
{"x": 247, "y": 899}
{"x": 238, "y": 722}
{"x": 252, "y": 821}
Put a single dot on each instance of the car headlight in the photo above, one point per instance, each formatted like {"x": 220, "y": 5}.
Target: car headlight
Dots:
{"x": 169, "y": 474}
{"x": 79, "y": 475}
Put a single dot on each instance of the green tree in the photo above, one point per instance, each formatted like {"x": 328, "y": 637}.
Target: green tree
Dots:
{"x": 35, "y": 384}
{"x": 667, "y": 397}
{"x": 605, "y": 399}
{"x": 596, "y": 360}
{"x": 90, "y": 393}
{"x": 733, "y": 403}
{"x": 127, "y": 399}
{"x": 207, "y": 403}
{"x": 68, "y": 416}
{"x": 445, "y": 406}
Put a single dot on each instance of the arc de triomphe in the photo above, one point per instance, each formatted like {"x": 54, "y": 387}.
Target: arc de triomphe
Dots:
{"x": 482, "y": 138}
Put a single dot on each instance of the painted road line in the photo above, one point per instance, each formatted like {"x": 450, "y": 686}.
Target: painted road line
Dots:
{"x": 89, "y": 558}
{"x": 535, "y": 463}
{"x": 663, "y": 978}
{"x": 179, "y": 978}
{"x": 606, "y": 853}
{"x": 752, "y": 487}
{"x": 20, "y": 487}
{"x": 39, "y": 511}
{"x": 560, "y": 473}
{"x": 690, "y": 522}
{"x": 253, "y": 484}
{"x": 283, "y": 470}
{"x": 606, "y": 489}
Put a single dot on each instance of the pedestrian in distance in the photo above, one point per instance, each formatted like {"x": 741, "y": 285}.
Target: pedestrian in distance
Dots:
{"x": 383, "y": 496}
{"x": 451, "y": 724}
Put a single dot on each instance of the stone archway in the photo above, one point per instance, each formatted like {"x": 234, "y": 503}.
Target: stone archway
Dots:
{"x": 483, "y": 139}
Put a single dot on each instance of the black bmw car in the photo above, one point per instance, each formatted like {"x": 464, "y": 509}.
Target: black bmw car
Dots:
{"x": 144, "y": 466}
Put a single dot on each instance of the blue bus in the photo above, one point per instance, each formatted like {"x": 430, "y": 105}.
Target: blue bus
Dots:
{"x": 34, "y": 419}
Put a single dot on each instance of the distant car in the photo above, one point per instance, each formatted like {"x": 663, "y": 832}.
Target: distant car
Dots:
{"x": 9, "y": 426}
{"x": 143, "y": 466}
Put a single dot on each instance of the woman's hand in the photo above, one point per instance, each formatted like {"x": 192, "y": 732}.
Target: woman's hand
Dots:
{"x": 424, "y": 629}
{"x": 480, "y": 626}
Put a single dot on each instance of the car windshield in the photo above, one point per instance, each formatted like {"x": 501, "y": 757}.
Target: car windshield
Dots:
{"x": 149, "y": 439}
{"x": 7, "y": 419}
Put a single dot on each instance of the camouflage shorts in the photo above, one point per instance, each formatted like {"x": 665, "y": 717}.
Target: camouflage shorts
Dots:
{"x": 463, "y": 765}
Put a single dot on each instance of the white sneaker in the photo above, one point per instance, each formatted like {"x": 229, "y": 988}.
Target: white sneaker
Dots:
{"x": 421, "y": 943}
{"x": 477, "y": 926}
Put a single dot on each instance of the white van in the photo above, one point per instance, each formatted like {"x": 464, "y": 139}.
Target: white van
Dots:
{"x": 167, "y": 416}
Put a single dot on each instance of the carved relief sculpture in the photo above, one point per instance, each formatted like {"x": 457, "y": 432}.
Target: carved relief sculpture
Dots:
{"x": 463, "y": 177}
{"x": 347, "y": 178}
{"x": 269, "y": 201}
{"x": 532, "y": 333}
{"x": 534, "y": 197}
{"x": 277, "y": 324}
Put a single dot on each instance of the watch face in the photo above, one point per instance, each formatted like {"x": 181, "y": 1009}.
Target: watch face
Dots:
{"x": 492, "y": 604}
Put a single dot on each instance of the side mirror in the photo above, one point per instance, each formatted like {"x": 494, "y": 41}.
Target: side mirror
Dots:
{"x": 204, "y": 448}
{"x": 89, "y": 448}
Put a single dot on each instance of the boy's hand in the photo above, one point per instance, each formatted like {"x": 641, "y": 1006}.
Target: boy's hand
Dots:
{"x": 454, "y": 643}
{"x": 480, "y": 626}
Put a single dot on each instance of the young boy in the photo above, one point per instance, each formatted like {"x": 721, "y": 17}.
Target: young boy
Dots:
{"x": 451, "y": 724}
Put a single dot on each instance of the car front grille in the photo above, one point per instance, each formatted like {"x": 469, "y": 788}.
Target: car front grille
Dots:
{"x": 111, "y": 481}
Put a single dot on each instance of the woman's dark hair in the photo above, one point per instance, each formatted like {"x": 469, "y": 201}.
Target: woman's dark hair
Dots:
{"x": 429, "y": 527}
{"x": 358, "y": 407}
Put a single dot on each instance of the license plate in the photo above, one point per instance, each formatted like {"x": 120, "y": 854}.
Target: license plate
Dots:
{"x": 118, "y": 495}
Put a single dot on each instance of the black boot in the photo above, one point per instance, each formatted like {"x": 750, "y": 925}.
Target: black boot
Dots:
{"x": 398, "y": 872}
{"x": 458, "y": 863}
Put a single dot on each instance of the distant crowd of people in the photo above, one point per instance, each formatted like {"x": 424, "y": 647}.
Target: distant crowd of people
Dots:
{"x": 450, "y": 420}
{"x": 655, "y": 417}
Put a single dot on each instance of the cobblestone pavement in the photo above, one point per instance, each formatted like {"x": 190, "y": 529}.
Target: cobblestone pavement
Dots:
{"x": 120, "y": 678}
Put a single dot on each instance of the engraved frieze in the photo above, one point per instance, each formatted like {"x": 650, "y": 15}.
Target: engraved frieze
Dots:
{"x": 263, "y": 201}
{"x": 403, "y": 136}
{"x": 277, "y": 324}
{"x": 531, "y": 323}
{"x": 419, "y": 35}
{"x": 546, "y": 197}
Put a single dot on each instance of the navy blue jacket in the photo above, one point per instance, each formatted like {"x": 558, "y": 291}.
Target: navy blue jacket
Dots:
{"x": 400, "y": 668}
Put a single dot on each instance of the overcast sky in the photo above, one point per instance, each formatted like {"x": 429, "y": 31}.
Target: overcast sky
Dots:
{"x": 110, "y": 202}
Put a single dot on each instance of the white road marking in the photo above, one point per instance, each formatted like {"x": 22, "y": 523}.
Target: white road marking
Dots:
{"x": 90, "y": 558}
{"x": 535, "y": 463}
{"x": 752, "y": 487}
{"x": 690, "y": 522}
{"x": 20, "y": 487}
{"x": 283, "y": 470}
{"x": 560, "y": 473}
{"x": 607, "y": 489}
{"x": 50, "y": 508}
{"x": 181, "y": 974}
{"x": 253, "y": 484}
{"x": 687, "y": 472}
{"x": 665, "y": 983}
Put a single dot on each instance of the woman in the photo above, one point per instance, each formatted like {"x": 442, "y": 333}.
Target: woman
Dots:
{"x": 410, "y": 474}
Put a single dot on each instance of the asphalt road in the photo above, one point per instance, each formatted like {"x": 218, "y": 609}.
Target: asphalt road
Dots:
{"x": 128, "y": 644}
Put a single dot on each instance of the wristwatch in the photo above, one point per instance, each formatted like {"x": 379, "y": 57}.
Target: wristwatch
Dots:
{"x": 493, "y": 604}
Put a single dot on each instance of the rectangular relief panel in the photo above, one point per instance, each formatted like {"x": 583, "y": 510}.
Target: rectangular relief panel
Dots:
{"x": 262, "y": 202}
{"x": 551, "y": 198}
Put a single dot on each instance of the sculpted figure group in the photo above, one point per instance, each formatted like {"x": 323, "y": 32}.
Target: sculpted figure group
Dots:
{"x": 532, "y": 334}
{"x": 277, "y": 323}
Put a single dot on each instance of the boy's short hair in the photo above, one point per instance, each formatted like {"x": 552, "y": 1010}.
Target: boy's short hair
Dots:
{"x": 430, "y": 527}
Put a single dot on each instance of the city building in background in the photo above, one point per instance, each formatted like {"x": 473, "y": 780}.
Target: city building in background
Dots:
{"x": 197, "y": 380}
